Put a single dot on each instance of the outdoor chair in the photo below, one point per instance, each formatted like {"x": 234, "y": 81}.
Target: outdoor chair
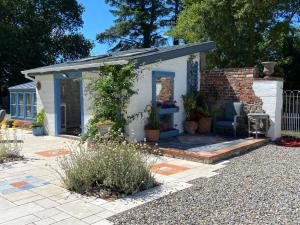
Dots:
{"x": 230, "y": 118}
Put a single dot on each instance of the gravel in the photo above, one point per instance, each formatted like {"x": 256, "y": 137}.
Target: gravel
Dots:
{"x": 260, "y": 187}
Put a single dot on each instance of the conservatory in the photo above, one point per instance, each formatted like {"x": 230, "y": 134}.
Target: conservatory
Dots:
{"x": 23, "y": 101}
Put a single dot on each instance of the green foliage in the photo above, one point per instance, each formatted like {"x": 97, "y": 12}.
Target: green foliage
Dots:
{"x": 39, "y": 120}
{"x": 111, "y": 92}
{"x": 245, "y": 31}
{"x": 153, "y": 120}
{"x": 118, "y": 166}
{"x": 38, "y": 33}
{"x": 204, "y": 110}
{"x": 9, "y": 123}
{"x": 189, "y": 104}
{"x": 10, "y": 145}
{"x": 139, "y": 24}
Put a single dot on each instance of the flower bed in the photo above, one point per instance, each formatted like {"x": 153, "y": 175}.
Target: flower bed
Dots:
{"x": 107, "y": 169}
{"x": 288, "y": 141}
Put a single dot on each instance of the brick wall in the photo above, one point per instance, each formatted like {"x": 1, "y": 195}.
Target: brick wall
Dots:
{"x": 231, "y": 85}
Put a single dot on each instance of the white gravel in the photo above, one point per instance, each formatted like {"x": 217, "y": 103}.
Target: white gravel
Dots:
{"x": 261, "y": 187}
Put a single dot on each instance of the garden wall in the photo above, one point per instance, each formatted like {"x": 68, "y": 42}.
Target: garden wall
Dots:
{"x": 235, "y": 84}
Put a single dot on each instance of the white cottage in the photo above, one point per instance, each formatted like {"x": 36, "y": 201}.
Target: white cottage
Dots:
{"x": 167, "y": 74}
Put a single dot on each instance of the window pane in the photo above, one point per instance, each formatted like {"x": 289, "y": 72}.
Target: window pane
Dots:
{"x": 21, "y": 105}
{"x": 28, "y": 105}
{"x": 34, "y": 104}
{"x": 13, "y": 110}
{"x": 13, "y": 104}
{"x": 13, "y": 98}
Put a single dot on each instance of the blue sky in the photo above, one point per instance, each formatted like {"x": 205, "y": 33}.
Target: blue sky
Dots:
{"x": 96, "y": 19}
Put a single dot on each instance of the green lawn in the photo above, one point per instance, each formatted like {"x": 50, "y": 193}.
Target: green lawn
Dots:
{"x": 290, "y": 133}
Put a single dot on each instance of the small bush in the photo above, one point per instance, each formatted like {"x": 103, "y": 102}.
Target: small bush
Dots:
{"x": 9, "y": 123}
{"x": 10, "y": 145}
{"x": 117, "y": 166}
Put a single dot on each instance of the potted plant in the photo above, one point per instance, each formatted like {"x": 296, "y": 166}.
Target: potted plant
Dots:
{"x": 104, "y": 126}
{"x": 205, "y": 122}
{"x": 152, "y": 129}
{"x": 38, "y": 124}
{"x": 190, "y": 106}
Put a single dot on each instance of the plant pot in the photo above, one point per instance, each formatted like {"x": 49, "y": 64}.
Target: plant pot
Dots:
{"x": 205, "y": 124}
{"x": 38, "y": 131}
{"x": 190, "y": 127}
{"x": 104, "y": 128}
{"x": 152, "y": 135}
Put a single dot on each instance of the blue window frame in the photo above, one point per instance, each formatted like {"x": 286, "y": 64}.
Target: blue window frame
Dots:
{"x": 23, "y": 105}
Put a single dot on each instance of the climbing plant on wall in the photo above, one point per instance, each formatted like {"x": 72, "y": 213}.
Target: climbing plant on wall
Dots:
{"x": 110, "y": 94}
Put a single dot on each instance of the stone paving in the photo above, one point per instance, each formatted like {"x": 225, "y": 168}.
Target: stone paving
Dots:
{"x": 208, "y": 148}
{"x": 31, "y": 191}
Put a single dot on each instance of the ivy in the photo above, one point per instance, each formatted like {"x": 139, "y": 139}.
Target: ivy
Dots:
{"x": 110, "y": 94}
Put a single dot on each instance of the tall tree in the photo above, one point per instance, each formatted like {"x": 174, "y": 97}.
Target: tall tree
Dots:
{"x": 138, "y": 24}
{"x": 175, "y": 7}
{"x": 35, "y": 33}
{"x": 245, "y": 31}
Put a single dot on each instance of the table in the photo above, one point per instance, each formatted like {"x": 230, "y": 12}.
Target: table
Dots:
{"x": 258, "y": 117}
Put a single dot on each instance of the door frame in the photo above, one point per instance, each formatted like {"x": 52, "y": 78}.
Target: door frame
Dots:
{"x": 57, "y": 99}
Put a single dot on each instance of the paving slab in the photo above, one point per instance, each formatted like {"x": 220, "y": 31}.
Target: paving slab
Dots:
{"x": 46, "y": 201}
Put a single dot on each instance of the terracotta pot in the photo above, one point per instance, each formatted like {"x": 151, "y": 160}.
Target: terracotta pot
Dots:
{"x": 152, "y": 135}
{"x": 205, "y": 124}
{"x": 190, "y": 127}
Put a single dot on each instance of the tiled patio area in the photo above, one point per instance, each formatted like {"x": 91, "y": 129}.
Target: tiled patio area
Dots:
{"x": 208, "y": 148}
{"x": 31, "y": 191}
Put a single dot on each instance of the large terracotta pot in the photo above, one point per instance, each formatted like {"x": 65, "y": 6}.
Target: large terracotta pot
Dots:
{"x": 152, "y": 135}
{"x": 205, "y": 124}
{"x": 190, "y": 127}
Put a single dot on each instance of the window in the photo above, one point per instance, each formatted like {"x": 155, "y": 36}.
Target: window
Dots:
{"x": 34, "y": 104}
{"x": 28, "y": 108}
{"x": 13, "y": 104}
{"x": 21, "y": 105}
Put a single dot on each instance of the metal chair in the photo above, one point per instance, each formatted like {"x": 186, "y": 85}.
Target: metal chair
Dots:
{"x": 230, "y": 119}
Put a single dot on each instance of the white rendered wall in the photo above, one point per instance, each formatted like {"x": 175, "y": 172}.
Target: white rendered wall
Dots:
{"x": 270, "y": 92}
{"x": 45, "y": 100}
{"x": 138, "y": 102}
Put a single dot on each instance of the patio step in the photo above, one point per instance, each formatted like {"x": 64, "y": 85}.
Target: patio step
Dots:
{"x": 210, "y": 157}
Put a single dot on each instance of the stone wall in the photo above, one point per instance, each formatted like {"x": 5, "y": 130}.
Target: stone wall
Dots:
{"x": 231, "y": 85}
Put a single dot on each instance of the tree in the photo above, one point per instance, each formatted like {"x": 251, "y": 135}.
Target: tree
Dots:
{"x": 175, "y": 7}
{"x": 138, "y": 24}
{"x": 36, "y": 33}
{"x": 245, "y": 31}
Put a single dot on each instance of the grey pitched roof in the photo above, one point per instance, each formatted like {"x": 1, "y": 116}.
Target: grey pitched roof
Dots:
{"x": 25, "y": 86}
{"x": 141, "y": 56}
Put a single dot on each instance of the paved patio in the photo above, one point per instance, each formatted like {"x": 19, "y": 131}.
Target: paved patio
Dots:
{"x": 31, "y": 191}
{"x": 208, "y": 148}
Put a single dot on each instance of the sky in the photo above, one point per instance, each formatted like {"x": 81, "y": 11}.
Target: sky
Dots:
{"x": 96, "y": 19}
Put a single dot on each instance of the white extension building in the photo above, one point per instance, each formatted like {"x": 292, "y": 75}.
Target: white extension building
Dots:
{"x": 166, "y": 75}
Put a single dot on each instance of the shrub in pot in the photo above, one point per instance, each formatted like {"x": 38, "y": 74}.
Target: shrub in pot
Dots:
{"x": 152, "y": 129}
{"x": 205, "y": 122}
{"x": 104, "y": 126}
{"x": 190, "y": 106}
{"x": 37, "y": 125}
